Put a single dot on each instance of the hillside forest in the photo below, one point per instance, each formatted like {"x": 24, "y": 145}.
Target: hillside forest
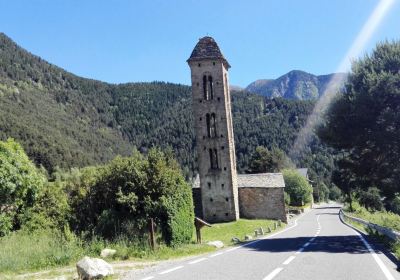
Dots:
{"x": 65, "y": 121}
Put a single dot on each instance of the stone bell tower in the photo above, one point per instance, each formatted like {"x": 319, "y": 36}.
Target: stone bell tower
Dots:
{"x": 211, "y": 102}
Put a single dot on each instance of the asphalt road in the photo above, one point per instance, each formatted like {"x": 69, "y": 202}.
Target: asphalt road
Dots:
{"x": 317, "y": 245}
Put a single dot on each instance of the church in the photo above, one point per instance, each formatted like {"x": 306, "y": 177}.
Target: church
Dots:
{"x": 219, "y": 193}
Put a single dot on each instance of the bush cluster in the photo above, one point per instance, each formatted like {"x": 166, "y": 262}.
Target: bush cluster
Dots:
{"x": 108, "y": 202}
{"x": 129, "y": 191}
{"x": 297, "y": 187}
{"x": 20, "y": 186}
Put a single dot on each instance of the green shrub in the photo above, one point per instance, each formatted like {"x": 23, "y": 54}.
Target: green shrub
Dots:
{"x": 394, "y": 205}
{"x": 297, "y": 187}
{"x": 129, "y": 191}
{"x": 20, "y": 185}
{"x": 371, "y": 199}
{"x": 50, "y": 211}
{"x": 321, "y": 192}
{"x": 176, "y": 200}
{"x": 335, "y": 193}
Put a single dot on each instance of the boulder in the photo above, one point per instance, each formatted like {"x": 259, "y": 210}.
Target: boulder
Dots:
{"x": 248, "y": 237}
{"x": 217, "y": 244}
{"x": 92, "y": 268}
{"x": 105, "y": 253}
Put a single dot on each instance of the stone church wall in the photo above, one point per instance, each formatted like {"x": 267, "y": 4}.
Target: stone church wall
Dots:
{"x": 254, "y": 203}
{"x": 262, "y": 203}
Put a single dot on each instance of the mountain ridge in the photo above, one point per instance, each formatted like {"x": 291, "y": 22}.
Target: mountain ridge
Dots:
{"x": 296, "y": 84}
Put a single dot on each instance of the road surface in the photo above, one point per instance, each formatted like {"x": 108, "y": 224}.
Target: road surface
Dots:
{"x": 317, "y": 245}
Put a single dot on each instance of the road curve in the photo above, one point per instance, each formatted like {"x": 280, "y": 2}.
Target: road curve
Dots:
{"x": 315, "y": 246}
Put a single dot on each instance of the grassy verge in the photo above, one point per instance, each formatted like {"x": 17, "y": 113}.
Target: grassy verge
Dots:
{"x": 225, "y": 231}
{"x": 382, "y": 218}
{"x": 26, "y": 252}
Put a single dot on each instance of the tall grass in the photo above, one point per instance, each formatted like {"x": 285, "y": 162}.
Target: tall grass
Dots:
{"x": 225, "y": 231}
{"x": 382, "y": 218}
{"x": 22, "y": 251}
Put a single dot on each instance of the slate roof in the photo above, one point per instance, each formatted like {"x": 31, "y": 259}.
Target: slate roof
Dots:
{"x": 261, "y": 180}
{"x": 207, "y": 48}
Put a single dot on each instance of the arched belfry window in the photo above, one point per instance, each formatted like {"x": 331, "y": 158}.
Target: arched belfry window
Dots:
{"x": 210, "y": 87}
{"x": 211, "y": 125}
{"x": 205, "y": 88}
{"x": 213, "y": 158}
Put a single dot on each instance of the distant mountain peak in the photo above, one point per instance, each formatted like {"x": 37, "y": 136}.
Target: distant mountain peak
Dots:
{"x": 296, "y": 84}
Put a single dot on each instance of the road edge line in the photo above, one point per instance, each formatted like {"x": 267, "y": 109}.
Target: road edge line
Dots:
{"x": 370, "y": 249}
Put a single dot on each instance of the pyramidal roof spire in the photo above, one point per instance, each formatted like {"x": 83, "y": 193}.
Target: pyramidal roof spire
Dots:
{"x": 207, "y": 48}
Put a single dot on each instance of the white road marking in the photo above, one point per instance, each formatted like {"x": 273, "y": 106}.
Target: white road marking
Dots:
{"x": 382, "y": 266}
{"x": 288, "y": 260}
{"x": 232, "y": 249}
{"x": 300, "y": 250}
{"x": 269, "y": 236}
{"x": 216, "y": 254}
{"x": 197, "y": 261}
{"x": 171, "y": 269}
{"x": 148, "y": 278}
{"x": 273, "y": 273}
{"x": 312, "y": 239}
{"x": 305, "y": 245}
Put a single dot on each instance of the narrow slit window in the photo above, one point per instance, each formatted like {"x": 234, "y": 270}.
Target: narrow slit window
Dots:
{"x": 213, "y": 128}
{"x": 205, "y": 88}
{"x": 210, "y": 87}
{"x": 213, "y": 158}
{"x": 208, "y": 122}
{"x": 216, "y": 158}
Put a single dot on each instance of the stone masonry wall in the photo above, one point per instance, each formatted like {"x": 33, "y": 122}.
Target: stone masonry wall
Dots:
{"x": 218, "y": 186}
{"x": 262, "y": 203}
{"x": 254, "y": 203}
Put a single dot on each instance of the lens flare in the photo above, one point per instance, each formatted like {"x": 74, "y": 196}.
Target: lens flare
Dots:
{"x": 358, "y": 45}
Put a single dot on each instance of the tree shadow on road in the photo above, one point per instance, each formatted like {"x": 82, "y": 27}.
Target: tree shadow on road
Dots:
{"x": 350, "y": 244}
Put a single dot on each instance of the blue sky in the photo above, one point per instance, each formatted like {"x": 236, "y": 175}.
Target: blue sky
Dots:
{"x": 129, "y": 41}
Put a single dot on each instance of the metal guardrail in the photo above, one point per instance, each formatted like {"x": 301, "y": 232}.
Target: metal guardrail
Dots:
{"x": 392, "y": 234}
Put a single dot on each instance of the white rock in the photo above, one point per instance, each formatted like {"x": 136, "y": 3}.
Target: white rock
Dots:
{"x": 248, "y": 237}
{"x": 105, "y": 253}
{"x": 92, "y": 268}
{"x": 217, "y": 244}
